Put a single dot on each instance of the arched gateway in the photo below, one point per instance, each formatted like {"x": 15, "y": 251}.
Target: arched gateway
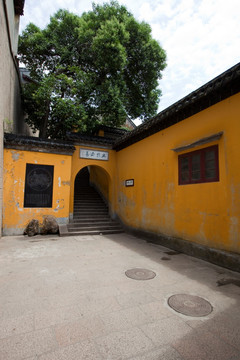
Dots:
{"x": 91, "y": 201}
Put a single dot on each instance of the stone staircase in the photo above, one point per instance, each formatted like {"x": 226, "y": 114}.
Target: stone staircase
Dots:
{"x": 90, "y": 216}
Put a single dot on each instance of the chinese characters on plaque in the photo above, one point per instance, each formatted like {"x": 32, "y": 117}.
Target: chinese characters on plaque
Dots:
{"x": 93, "y": 154}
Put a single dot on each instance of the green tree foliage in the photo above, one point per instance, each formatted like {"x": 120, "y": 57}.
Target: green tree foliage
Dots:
{"x": 101, "y": 67}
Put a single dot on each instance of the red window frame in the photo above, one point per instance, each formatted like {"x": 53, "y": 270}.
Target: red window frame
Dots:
{"x": 186, "y": 168}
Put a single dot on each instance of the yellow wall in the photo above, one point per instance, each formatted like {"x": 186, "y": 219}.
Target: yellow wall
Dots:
{"x": 108, "y": 166}
{"x": 100, "y": 179}
{"x": 15, "y": 216}
{"x": 206, "y": 213}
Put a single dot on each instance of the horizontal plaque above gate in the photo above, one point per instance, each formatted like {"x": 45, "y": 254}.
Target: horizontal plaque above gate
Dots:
{"x": 93, "y": 154}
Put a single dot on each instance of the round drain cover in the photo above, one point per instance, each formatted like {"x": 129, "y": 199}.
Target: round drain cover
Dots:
{"x": 140, "y": 274}
{"x": 190, "y": 305}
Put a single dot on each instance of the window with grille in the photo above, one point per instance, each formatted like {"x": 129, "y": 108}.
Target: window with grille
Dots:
{"x": 199, "y": 166}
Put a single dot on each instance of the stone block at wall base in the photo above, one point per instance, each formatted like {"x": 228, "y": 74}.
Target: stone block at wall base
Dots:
{"x": 222, "y": 258}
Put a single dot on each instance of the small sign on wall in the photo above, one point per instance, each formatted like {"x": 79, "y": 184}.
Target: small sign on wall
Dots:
{"x": 129, "y": 182}
{"x": 93, "y": 154}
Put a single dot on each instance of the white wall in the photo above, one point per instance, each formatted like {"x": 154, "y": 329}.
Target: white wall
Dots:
{"x": 10, "y": 102}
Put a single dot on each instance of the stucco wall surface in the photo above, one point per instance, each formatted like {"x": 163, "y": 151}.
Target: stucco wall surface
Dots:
{"x": 1, "y": 174}
{"x": 100, "y": 180}
{"x": 5, "y": 91}
{"x": 11, "y": 116}
{"x": 10, "y": 104}
{"x": 15, "y": 216}
{"x": 205, "y": 213}
{"x": 13, "y": 21}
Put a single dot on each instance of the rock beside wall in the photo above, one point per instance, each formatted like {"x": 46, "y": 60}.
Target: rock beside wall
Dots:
{"x": 32, "y": 228}
{"x": 49, "y": 226}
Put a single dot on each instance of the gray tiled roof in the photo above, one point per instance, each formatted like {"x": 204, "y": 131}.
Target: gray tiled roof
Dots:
{"x": 77, "y": 138}
{"x": 18, "y": 6}
{"x": 216, "y": 90}
{"x": 37, "y": 144}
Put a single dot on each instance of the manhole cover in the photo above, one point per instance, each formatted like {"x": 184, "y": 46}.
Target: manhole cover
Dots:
{"x": 140, "y": 274}
{"x": 190, "y": 305}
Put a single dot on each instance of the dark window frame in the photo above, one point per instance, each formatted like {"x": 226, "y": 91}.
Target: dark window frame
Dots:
{"x": 44, "y": 196}
{"x": 202, "y": 166}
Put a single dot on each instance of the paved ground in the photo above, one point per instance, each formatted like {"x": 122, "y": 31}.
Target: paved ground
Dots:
{"x": 69, "y": 299}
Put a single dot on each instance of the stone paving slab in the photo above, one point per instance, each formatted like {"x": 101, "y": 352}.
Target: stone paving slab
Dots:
{"x": 69, "y": 299}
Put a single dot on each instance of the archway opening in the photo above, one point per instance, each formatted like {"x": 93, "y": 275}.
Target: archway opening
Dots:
{"x": 94, "y": 177}
{"x": 82, "y": 179}
{"x": 92, "y": 211}
{"x": 100, "y": 181}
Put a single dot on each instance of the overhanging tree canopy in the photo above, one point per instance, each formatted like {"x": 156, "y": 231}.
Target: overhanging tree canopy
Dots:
{"x": 101, "y": 67}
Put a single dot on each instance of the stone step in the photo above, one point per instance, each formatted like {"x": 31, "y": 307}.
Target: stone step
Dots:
{"x": 90, "y": 213}
{"x": 89, "y": 225}
{"x": 104, "y": 219}
{"x": 86, "y": 193}
{"x": 86, "y": 202}
{"x": 97, "y": 227}
{"x": 91, "y": 210}
{"x": 88, "y": 197}
{"x": 91, "y": 232}
{"x": 90, "y": 221}
{"x": 90, "y": 217}
{"x": 90, "y": 206}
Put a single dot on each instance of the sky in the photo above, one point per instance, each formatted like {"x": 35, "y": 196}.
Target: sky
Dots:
{"x": 201, "y": 37}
